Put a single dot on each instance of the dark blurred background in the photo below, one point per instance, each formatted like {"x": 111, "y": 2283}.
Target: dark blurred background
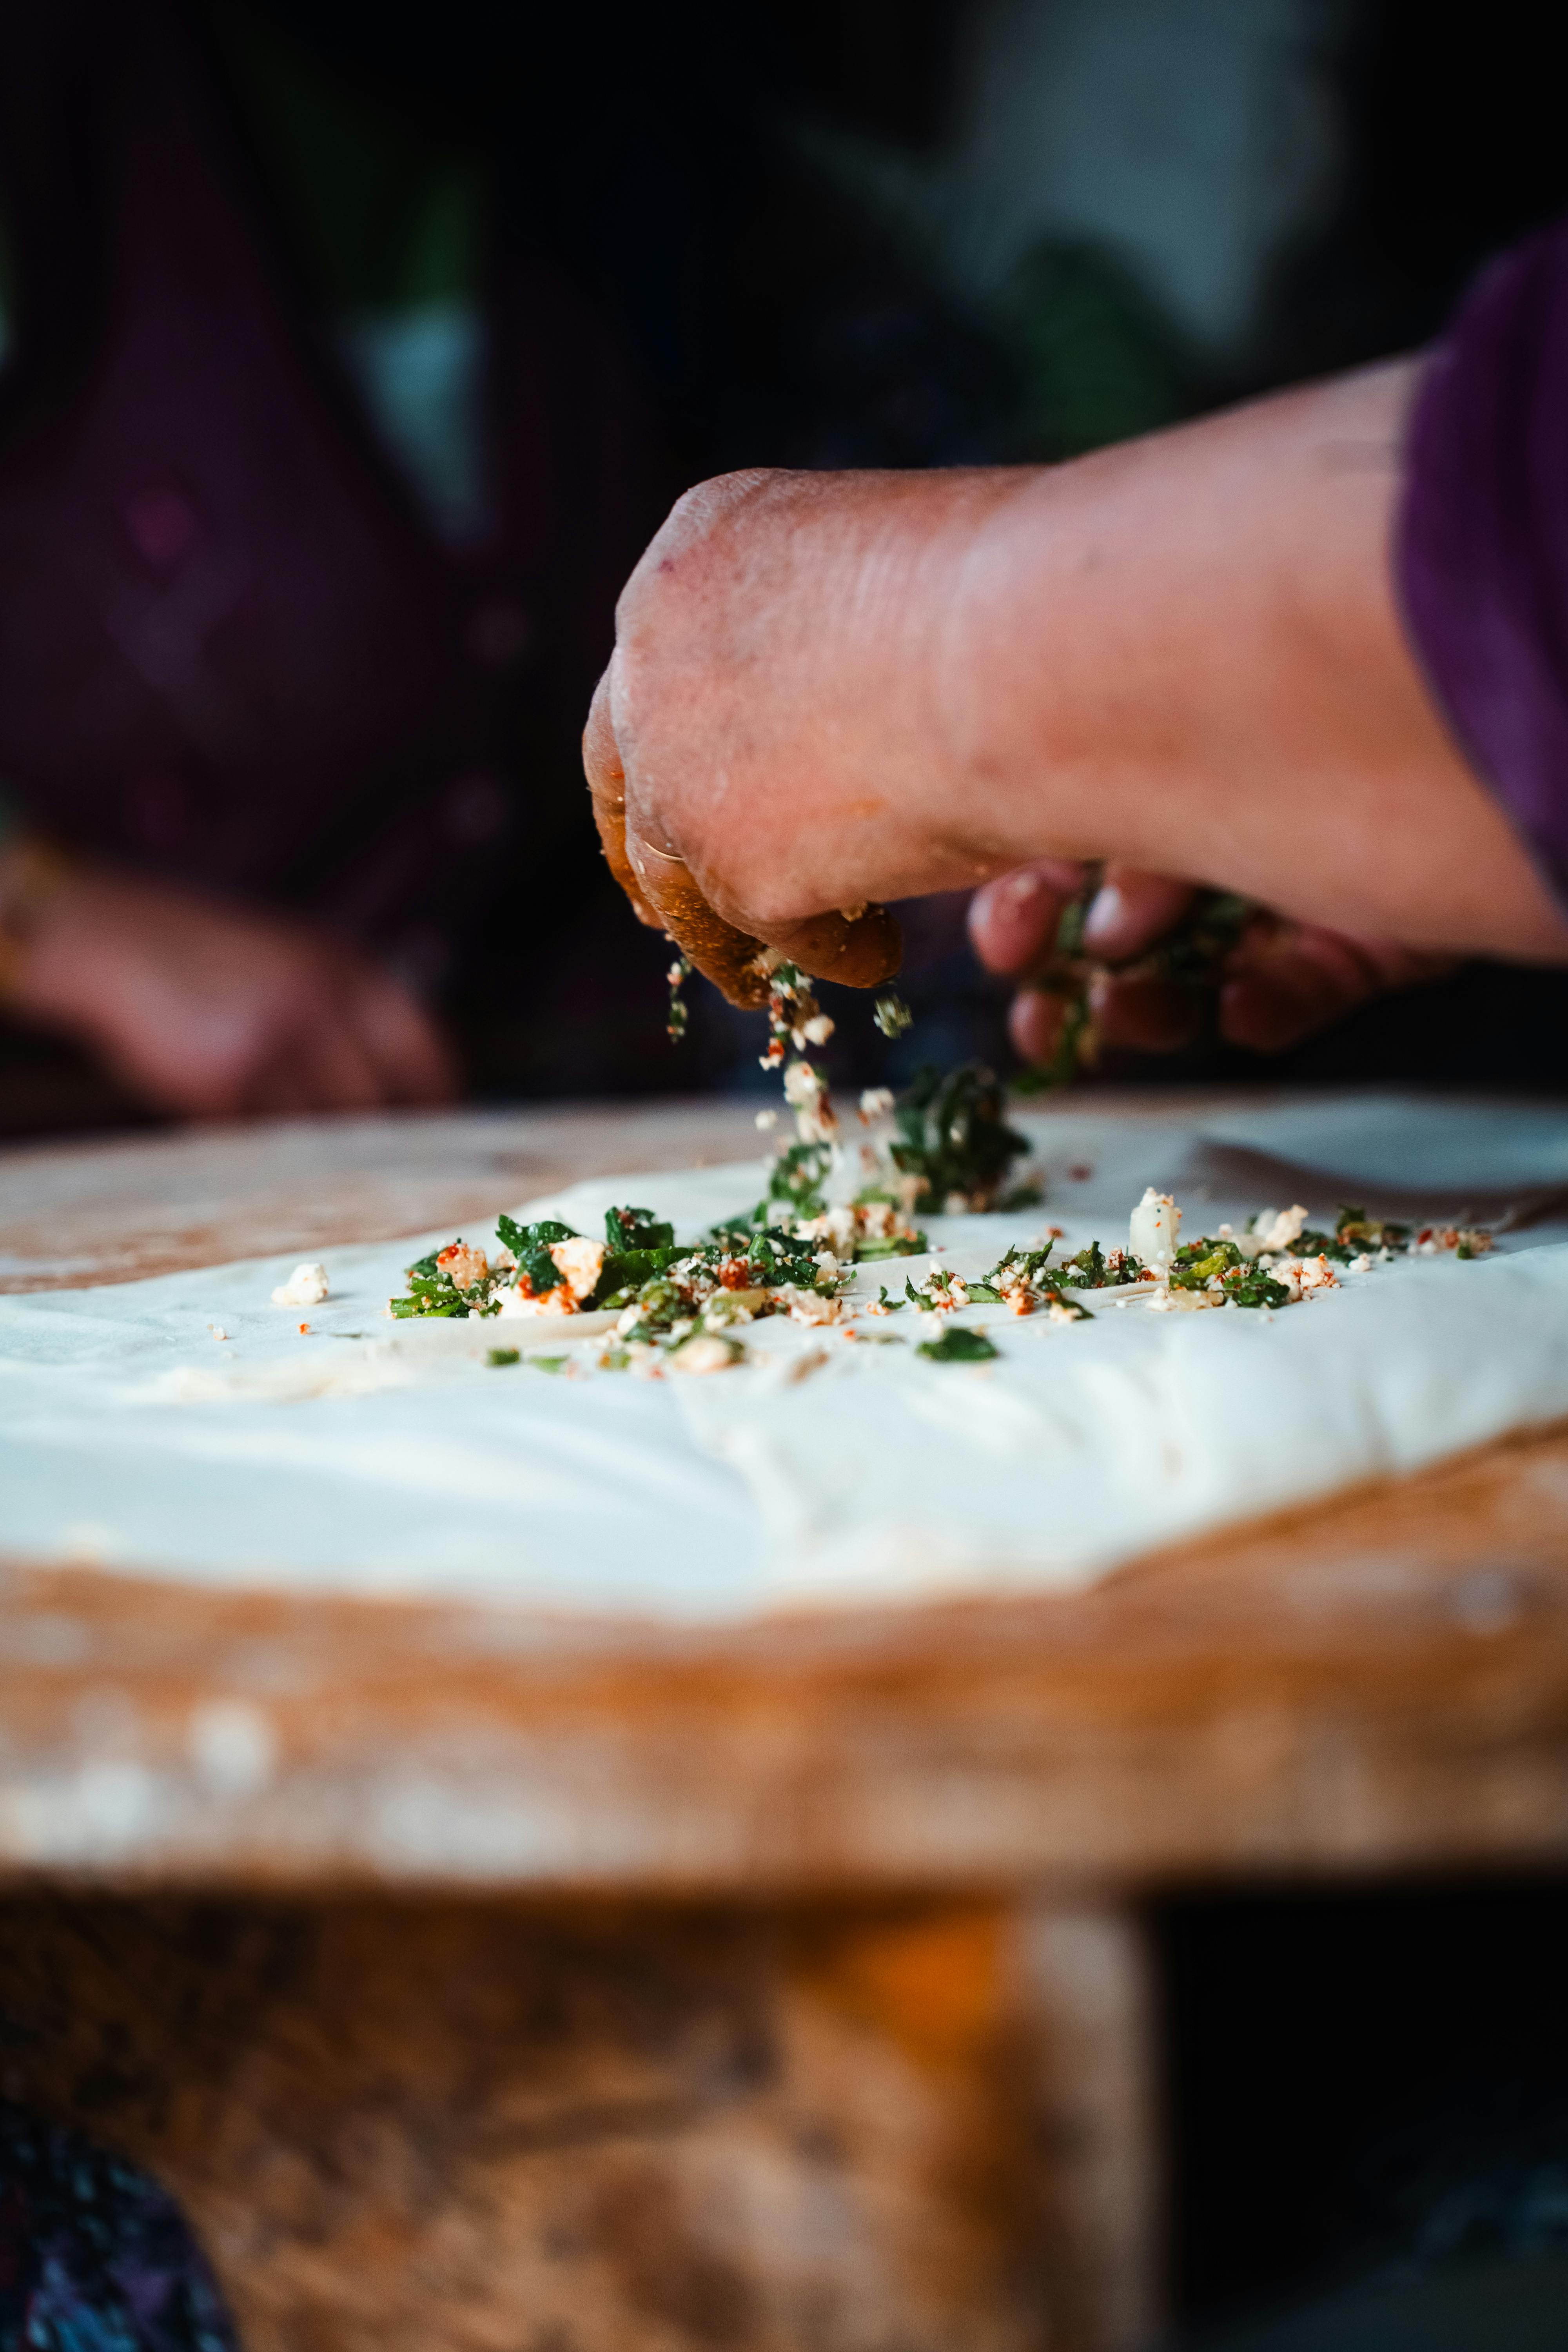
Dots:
{"x": 542, "y": 268}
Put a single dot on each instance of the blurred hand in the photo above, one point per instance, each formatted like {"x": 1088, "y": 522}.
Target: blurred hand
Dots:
{"x": 222, "y": 1012}
{"x": 1280, "y": 982}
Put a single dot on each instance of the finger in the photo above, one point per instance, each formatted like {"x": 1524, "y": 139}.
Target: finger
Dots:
{"x": 859, "y": 948}
{"x": 317, "y": 1064}
{"x": 1131, "y": 911}
{"x": 412, "y": 1061}
{"x": 607, "y": 790}
{"x": 736, "y": 961}
{"x": 1012, "y": 921}
{"x": 1035, "y": 1022}
{"x": 276, "y": 1089}
{"x": 1286, "y": 980}
{"x": 336, "y": 1071}
{"x": 1149, "y": 1016}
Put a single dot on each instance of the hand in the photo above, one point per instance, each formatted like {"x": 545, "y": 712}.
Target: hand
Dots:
{"x": 216, "y": 1011}
{"x": 1280, "y": 982}
{"x": 1182, "y": 653}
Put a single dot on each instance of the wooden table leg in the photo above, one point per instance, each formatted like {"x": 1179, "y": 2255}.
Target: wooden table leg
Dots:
{"x": 1087, "y": 1969}
{"x": 405, "y": 2125}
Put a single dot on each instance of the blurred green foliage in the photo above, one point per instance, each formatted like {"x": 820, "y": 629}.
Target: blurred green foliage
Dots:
{"x": 1096, "y": 359}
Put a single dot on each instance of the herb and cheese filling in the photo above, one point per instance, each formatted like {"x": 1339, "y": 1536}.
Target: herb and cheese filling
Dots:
{"x": 665, "y": 1299}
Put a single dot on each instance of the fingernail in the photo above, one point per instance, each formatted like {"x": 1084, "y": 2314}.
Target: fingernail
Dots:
{"x": 1107, "y": 914}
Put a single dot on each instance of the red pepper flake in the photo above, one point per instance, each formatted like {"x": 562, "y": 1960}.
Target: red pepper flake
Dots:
{"x": 304, "y": 1327}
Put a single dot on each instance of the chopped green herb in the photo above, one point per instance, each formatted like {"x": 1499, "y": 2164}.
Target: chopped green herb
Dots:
{"x": 951, "y": 1134}
{"x": 547, "y": 1363}
{"x": 623, "y": 1273}
{"x": 1190, "y": 958}
{"x": 891, "y": 1014}
{"x": 634, "y": 1228}
{"x": 798, "y": 1174}
{"x": 889, "y": 1306}
{"x": 957, "y": 1345}
{"x": 1360, "y": 1232}
{"x": 523, "y": 1240}
{"x": 1199, "y": 1261}
{"x": 437, "y": 1294}
{"x": 1254, "y": 1289}
{"x": 1091, "y": 1270}
{"x": 500, "y": 1356}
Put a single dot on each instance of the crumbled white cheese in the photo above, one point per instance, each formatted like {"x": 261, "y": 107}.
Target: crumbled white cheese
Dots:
{"x": 305, "y": 1286}
{"x": 808, "y": 1306}
{"x": 512, "y": 1301}
{"x": 466, "y": 1266}
{"x": 582, "y": 1262}
{"x": 875, "y": 1102}
{"x": 1274, "y": 1228}
{"x": 1152, "y": 1233}
{"x": 1303, "y": 1275}
{"x": 818, "y": 1029}
{"x": 766, "y": 1118}
{"x": 806, "y": 1091}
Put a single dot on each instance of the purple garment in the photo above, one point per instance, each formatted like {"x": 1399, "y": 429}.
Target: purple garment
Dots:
{"x": 231, "y": 649}
{"x": 1482, "y": 554}
{"x": 94, "y": 2255}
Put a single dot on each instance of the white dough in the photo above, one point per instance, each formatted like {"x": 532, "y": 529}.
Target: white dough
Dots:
{"x": 378, "y": 1455}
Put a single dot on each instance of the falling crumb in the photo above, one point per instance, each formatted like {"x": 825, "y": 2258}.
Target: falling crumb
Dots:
{"x": 1081, "y": 1173}
{"x": 217, "y": 1330}
{"x": 766, "y": 1118}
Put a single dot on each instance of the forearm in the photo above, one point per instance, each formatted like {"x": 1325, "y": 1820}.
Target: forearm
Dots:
{"x": 1186, "y": 653}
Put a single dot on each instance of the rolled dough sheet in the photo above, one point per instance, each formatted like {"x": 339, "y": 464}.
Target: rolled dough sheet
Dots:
{"x": 1389, "y": 1141}
{"x": 369, "y": 1455}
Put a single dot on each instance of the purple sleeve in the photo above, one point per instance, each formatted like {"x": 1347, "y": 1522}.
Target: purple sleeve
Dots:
{"x": 1482, "y": 554}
